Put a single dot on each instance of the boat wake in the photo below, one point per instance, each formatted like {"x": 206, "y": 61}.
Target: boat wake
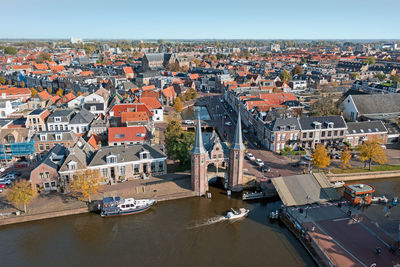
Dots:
{"x": 208, "y": 221}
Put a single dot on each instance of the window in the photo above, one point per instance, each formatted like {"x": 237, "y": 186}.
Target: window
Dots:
{"x": 104, "y": 172}
{"x": 41, "y": 176}
{"x": 57, "y": 119}
{"x": 41, "y": 147}
{"x": 310, "y": 135}
{"x": 304, "y": 135}
{"x": 122, "y": 135}
{"x": 341, "y": 133}
{"x": 42, "y": 137}
{"x": 53, "y": 184}
{"x": 47, "y": 147}
{"x": 153, "y": 166}
{"x": 111, "y": 159}
{"x": 160, "y": 166}
{"x": 330, "y": 133}
{"x": 47, "y": 175}
{"x": 122, "y": 170}
{"x": 136, "y": 168}
{"x": 323, "y": 134}
{"x": 58, "y": 137}
{"x": 335, "y": 133}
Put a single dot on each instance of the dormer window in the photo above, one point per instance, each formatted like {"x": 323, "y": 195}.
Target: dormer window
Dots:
{"x": 72, "y": 165}
{"x": 317, "y": 125}
{"x": 330, "y": 125}
{"x": 57, "y": 119}
{"x": 144, "y": 154}
{"x": 43, "y": 137}
{"x": 92, "y": 108}
{"x": 58, "y": 137}
{"x": 292, "y": 127}
{"x": 111, "y": 159}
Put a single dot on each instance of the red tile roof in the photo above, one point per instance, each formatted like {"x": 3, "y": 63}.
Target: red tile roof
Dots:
{"x": 151, "y": 102}
{"x": 136, "y": 107}
{"x": 128, "y": 134}
{"x": 44, "y": 95}
{"x": 128, "y": 70}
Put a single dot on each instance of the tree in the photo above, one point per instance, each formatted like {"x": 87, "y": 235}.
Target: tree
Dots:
{"x": 40, "y": 88}
{"x": 49, "y": 90}
{"x": 9, "y": 50}
{"x": 178, "y": 104}
{"x": 285, "y": 76}
{"x": 33, "y": 91}
{"x": 86, "y": 184}
{"x": 22, "y": 84}
{"x": 371, "y": 150}
{"x": 380, "y": 76}
{"x": 320, "y": 157}
{"x": 193, "y": 93}
{"x": 370, "y": 61}
{"x": 2, "y": 80}
{"x": 297, "y": 70}
{"x": 21, "y": 193}
{"x": 42, "y": 57}
{"x": 354, "y": 75}
{"x": 345, "y": 158}
{"x": 178, "y": 142}
{"x": 394, "y": 78}
{"x": 325, "y": 106}
{"x": 60, "y": 92}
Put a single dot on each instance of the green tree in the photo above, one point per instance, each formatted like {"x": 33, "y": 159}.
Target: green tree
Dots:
{"x": 10, "y": 50}
{"x": 394, "y": 78}
{"x": 178, "y": 142}
{"x": 370, "y": 61}
{"x": 285, "y": 76}
{"x": 297, "y": 70}
{"x": 380, "y": 76}
{"x": 325, "y": 106}
{"x": 354, "y": 75}
{"x": 42, "y": 57}
{"x": 21, "y": 193}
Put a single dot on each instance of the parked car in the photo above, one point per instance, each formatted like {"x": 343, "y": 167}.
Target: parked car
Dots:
{"x": 2, "y": 186}
{"x": 10, "y": 176}
{"x": 259, "y": 162}
{"x": 245, "y": 131}
{"x": 335, "y": 155}
{"x": 228, "y": 123}
{"x": 299, "y": 163}
{"x": 309, "y": 158}
{"x": 189, "y": 122}
{"x": 265, "y": 168}
{"x": 5, "y": 181}
{"x": 250, "y": 156}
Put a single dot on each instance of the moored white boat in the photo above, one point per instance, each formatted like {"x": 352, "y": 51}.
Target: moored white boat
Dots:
{"x": 236, "y": 214}
{"x": 338, "y": 184}
{"x": 115, "y": 206}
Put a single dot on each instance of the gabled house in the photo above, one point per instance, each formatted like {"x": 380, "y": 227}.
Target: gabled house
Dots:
{"x": 59, "y": 119}
{"x": 128, "y": 135}
{"x": 36, "y": 120}
{"x": 80, "y": 122}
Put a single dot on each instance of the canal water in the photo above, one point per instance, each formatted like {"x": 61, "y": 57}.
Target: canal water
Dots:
{"x": 190, "y": 113}
{"x": 186, "y": 232}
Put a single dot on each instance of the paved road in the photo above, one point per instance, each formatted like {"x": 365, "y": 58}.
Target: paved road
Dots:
{"x": 279, "y": 165}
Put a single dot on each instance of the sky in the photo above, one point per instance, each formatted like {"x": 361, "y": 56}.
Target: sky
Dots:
{"x": 201, "y": 19}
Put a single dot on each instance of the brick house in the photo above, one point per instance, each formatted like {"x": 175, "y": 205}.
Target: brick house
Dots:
{"x": 36, "y": 120}
{"x": 46, "y": 140}
{"x": 358, "y": 132}
{"x": 282, "y": 133}
{"x": 129, "y": 162}
{"x": 45, "y": 174}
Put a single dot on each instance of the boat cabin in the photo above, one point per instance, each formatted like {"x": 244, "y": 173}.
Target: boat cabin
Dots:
{"x": 358, "y": 193}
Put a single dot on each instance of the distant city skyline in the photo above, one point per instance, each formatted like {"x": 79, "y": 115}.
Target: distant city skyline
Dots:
{"x": 178, "y": 19}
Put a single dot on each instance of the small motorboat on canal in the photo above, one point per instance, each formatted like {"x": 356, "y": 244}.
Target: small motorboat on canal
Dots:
{"x": 115, "y": 206}
{"x": 236, "y": 214}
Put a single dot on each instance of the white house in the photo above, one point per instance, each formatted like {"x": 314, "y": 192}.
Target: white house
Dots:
{"x": 95, "y": 104}
{"x": 76, "y": 102}
{"x": 6, "y": 108}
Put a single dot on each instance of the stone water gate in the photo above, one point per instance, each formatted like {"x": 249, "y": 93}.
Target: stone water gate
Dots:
{"x": 216, "y": 159}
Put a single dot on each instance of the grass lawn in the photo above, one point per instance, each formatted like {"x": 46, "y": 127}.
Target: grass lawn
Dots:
{"x": 377, "y": 168}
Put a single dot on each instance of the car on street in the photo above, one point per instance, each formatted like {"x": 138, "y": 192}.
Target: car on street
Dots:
{"x": 189, "y": 122}
{"x": 245, "y": 131}
{"x": 309, "y": 158}
{"x": 5, "y": 181}
{"x": 10, "y": 176}
{"x": 2, "y": 186}
{"x": 228, "y": 123}
{"x": 265, "y": 168}
{"x": 335, "y": 155}
{"x": 221, "y": 100}
{"x": 250, "y": 156}
{"x": 259, "y": 162}
{"x": 300, "y": 163}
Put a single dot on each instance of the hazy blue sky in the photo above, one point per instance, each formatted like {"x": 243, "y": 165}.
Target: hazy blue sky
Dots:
{"x": 168, "y": 19}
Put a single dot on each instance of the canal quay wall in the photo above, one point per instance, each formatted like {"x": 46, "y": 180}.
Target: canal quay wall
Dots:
{"x": 345, "y": 177}
{"x": 160, "y": 192}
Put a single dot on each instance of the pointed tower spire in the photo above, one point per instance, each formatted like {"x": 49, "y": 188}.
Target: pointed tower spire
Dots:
{"x": 198, "y": 147}
{"x": 238, "y": 141}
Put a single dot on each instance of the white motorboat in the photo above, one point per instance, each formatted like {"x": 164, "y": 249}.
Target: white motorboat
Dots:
{"x": 338, "y": 184}
{"x": 115, "y": 206}
{"x": 236, "y": 214}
